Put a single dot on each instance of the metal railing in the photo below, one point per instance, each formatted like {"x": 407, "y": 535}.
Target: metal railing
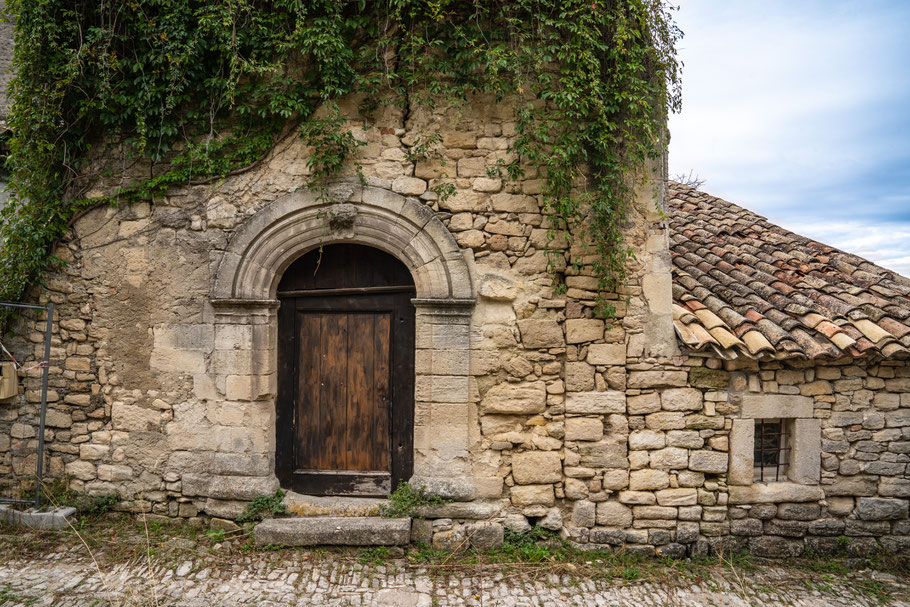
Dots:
{"x": 45, "y": 363}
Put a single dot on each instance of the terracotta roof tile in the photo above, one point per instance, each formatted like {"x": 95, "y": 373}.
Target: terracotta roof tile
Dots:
{"x": 743, "y": 286}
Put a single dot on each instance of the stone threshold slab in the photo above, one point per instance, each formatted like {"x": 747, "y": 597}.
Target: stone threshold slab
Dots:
{"x": 333, "y": 531}
{"x": 314, "y": 505}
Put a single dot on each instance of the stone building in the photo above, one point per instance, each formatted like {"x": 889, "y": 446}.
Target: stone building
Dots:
{"x": 250, "y": 334}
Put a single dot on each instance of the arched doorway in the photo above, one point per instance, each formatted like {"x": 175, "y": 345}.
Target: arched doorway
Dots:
{"x": 344, "y": 407}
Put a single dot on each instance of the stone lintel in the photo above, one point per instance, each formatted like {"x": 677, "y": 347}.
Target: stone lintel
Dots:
{"x": 775, "y": 406}
{"x": 772, "y": 493}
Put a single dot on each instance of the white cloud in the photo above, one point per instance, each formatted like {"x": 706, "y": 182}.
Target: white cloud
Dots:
{"x": 888, "y": 245}
{"x": 798, "y": 110}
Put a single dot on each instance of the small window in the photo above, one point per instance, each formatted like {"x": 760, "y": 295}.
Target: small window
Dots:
{"x": 772, "y": 450}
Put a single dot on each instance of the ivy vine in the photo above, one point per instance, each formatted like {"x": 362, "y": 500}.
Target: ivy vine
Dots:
{"x": 196, "y": 90}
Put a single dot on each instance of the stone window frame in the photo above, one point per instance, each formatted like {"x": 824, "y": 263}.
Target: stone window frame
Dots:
{"x": 244, "y": 308}
{"x": 805, "y": 440}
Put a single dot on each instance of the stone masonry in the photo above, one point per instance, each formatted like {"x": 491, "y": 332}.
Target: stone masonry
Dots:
{"x": 529, "y": 408}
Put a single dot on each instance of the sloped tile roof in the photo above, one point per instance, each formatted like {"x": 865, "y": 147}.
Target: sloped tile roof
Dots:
{"x": 743, "y": 286}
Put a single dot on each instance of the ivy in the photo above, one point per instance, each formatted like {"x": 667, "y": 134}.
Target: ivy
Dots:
{"x": 191, "y": 91}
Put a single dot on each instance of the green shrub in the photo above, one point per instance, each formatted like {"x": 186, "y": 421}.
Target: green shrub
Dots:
{"x": 264, "y": 506}
{"x": 405, "y": 500}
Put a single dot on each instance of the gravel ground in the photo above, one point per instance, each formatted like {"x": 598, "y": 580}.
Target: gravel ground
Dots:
{"x": 64, "y": 577}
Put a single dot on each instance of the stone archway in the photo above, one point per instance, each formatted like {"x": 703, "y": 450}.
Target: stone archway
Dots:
{"x": 244, "y": 304}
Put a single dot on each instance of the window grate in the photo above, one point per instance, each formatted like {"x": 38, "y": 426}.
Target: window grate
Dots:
{"x": 772, "y": 450}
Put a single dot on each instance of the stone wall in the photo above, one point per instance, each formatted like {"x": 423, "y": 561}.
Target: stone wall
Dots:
{"x": 529, "y": 408}
{"x": 6, "y": 61}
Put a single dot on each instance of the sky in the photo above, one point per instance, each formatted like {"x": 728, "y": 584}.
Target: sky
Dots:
{"x": 800, "y": 111}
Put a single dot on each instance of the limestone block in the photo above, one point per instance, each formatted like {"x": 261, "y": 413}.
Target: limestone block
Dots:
{"x": 552, "y": 520}
{"x": 772, "y": 493}
{"x": 584, "y": 428}
{"x": 529, "y": 495}
{"x": 485, "y": 184}
{"x": 775, "y": 547}
{"x": 58, "y": 419}
{"x": 114, "y": 473}
{"x": 708, "y": 461}
{"x": 472, "y": 167}
{"x": 894, "y": 487}
{"x": 648, "y": 480}
{"x": 671, "y": 458}
{"x": 80, "y": 470}
{"x": 645, "y": 498}
{"x": 852, "y": 485}
{"x": 654, "y": 512}
{"x": 647, "y": 439}
{"x": 665, "y": 420}
{"x": 712, "y": 379}
{"x": 881, "y": 509}
{"x": 498, "y": 288}
{"x": 18, "y": 430}
{"x": 677, "y": 497}
{"x": 541, "y": 334}
{"x": 240, "y": 487}
{"x": 583, "y": 514}
{"x": 522, "y": 398}
{"x": 806, "y": 464}
{"x": 580, "y": 330}
{"x": 644, "y": 404}
{"x": 614, "y": 514}
{"x": 576, "y": 489}
{"x": 615, "y": 479}
{"x": 607, "y": 354}
{"x": 485, "y": 535}
{"x": 536, "y": 467}
{"x": 409, "y": 186}
{"x": 746, "y": 527}
{"x": 134, "y": 418}
{"x": 603, "y": 454}
{"x": 612, "y": 401}
{"x": 579, "y": 377}
{"x": 687, "y": 532}
{"x": 681, "y": 399}
{"x": 78, "y": 363}
{"x": 742, "y": 457}
{"x": 805, "y": 511}
{"x": 704, "y": 422}
{"x": 513, "y": 203}
{"x": 657, "y": 379}
{"x": 90, "y": 452}
{"x": 687, "y": 439}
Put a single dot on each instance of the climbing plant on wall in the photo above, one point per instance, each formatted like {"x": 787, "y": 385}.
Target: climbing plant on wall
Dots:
{"x": 195, "y": 90}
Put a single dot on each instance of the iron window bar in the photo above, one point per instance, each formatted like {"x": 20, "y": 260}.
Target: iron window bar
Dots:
{"x": 772, "y": 450}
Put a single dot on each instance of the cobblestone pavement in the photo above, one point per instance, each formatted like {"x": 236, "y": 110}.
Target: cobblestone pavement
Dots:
{"x": 67, "y": 578}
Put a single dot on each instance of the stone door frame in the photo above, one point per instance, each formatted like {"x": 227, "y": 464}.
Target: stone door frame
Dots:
{"x": 243, "y": 299}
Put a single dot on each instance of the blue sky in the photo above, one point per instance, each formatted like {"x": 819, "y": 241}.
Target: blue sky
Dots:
{"x": 800, "y": 111}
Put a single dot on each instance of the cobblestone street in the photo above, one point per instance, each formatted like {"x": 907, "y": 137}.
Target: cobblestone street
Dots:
{"x": 66, "y": 578}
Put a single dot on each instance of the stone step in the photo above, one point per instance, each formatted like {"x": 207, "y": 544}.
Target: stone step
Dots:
{"x": 333, "y": 531}
{"x": 314, "y": 505}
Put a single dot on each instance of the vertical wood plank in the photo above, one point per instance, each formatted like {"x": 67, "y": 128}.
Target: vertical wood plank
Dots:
{"x": 309, "y": 372}
{"x": 382, "y": 346}
{"x": 333, "y": 391}
{"x": 360, "y": 414}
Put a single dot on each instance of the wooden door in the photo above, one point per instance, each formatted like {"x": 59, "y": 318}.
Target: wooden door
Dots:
{"x": 346, "y": 366}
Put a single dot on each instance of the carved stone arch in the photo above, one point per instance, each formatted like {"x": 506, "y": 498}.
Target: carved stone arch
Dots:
{"x": 269, "y": 241}
{"x": 243, "y": 299}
